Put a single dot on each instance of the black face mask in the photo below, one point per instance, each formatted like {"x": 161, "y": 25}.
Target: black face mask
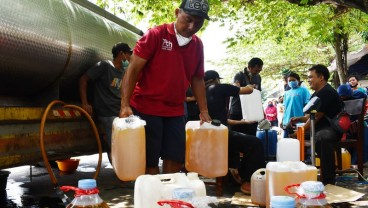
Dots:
{"x": 353, "y": 86}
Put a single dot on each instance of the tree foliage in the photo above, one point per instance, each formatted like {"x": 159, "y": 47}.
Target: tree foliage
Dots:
{"x": 294, "y": 33}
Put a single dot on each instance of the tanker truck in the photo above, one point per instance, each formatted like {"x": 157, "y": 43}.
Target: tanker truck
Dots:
{"x": 45, "y": 46}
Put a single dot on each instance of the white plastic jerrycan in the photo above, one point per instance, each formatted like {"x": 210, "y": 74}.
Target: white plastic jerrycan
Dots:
{"x": 149, "y": 189}
{"x": 128, "y": 147}
{"x": 251, "y": 105}
{"x": 207, "y": 148}
{"x": 258, "y": 187}
{"x": 281, "y": 174}
{"x": 288, "y": 149}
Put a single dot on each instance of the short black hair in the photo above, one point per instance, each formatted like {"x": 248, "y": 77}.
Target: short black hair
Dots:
{"x": 120, "y": 47}
{"x": 353, "y": 75}
{"x": 321, "y": 70}
{"x": 295, "y": 75}
{"x": 254, "y": 62}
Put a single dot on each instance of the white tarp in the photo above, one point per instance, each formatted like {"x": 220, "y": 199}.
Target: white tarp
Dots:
{"x": 352, "y": 58}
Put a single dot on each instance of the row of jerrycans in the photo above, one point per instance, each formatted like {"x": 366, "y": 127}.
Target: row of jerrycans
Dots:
{"x": 206, "y": 148}
{"x": 272, "y": 180}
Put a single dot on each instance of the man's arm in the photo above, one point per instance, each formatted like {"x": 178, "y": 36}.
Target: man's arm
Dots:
{"x": 306, "y": 120}
{"x": 199, "y": 92}
{"x": 130, "y": 78}
{"x": 83, "y": 82}
{"x": 245, "y": 90}
{"x": 232, "y": 122}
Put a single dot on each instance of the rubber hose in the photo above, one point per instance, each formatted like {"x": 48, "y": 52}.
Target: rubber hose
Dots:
{"x": 42, "y": 143}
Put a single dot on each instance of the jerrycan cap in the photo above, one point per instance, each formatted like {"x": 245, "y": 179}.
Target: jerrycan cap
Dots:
{"x": 216, "y": 122}
{"x": 282, "y": 201}
{"x": 311, "y": 189}
{"x": 87, "y": 184}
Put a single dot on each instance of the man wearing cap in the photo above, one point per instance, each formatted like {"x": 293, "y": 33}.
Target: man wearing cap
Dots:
{"x": 252, "y": 148}
{"x": 251, "y": 76}
{"x": 107, "y": 77}
{"x": 165, "y": 61}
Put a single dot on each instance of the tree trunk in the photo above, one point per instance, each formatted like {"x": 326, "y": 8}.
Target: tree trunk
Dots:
{"x": 341, "y": 49}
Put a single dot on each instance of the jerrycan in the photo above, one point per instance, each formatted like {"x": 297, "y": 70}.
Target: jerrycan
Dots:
{"x": 258, "y": 187}
{"x": 288, "y": 149}
{"x": 149, "y": 189}
{"x": 207, "y": 148}
{"x": 346, "y": 159}
{"x": 251, "y": 105}
{"x": 128, "y": 147}
{"x": 281, "y": 174}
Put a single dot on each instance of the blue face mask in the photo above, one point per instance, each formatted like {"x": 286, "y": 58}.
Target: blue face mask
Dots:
{"x": 293, "y": 84}
{"x": 125, "y": 64}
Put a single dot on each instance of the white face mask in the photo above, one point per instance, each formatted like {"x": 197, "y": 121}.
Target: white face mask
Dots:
{"x": 182, "y": 41}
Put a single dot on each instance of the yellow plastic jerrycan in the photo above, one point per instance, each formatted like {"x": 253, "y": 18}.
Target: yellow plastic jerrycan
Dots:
{"x": 345, "y": 157}
{"x": 207, "y": 148}
{"x": 128, "y": 147}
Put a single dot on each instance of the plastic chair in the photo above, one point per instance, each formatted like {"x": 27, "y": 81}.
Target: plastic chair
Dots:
{"x": 355, "y": 108}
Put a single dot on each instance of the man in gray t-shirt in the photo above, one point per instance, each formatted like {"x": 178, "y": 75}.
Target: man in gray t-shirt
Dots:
{"x": 106, "y": 76}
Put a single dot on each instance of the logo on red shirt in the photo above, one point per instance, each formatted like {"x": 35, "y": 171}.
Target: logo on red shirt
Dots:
{"x": 166, "y": 45}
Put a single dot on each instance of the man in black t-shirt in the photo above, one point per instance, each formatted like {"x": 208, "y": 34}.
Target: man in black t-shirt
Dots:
{"x": 250, "y": 76}
{"x": 251, "y": 147}
{"x": 325, "y": 136}
{"x": 192, "y": 106}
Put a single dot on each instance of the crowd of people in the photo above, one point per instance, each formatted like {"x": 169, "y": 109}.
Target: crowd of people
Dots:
{"x": 166, "y": 69}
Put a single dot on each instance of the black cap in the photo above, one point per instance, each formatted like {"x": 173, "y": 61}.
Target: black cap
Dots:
{"x": 211, "y": 74}
{"x": 196, "y": 8}
{"x": 216, "y": 122}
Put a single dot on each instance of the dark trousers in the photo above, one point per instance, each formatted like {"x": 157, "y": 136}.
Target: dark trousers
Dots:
{"x": 253, "y": 154}
{"x": 250, "y": 129}
{"x": 325, "y": 141}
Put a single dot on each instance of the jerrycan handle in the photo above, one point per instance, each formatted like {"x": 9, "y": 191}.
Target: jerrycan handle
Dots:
{"x": 175, "y": 203}
{"x": 216, "y": 122}
{"x": 291, "y": 186}
{"x": 320, "y": 196}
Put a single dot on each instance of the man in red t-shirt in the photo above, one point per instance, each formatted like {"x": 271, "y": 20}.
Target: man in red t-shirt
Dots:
{"x": 165, "y": 61}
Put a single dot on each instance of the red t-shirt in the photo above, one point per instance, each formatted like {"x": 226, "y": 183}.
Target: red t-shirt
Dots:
{"x": 162, "y": 84}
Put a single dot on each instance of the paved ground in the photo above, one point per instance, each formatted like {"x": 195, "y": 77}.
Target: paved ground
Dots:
{"x": 31, "y": 186}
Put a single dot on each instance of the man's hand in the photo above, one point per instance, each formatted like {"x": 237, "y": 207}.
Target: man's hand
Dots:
{"x": 293, "y": 135}
{"x": 205, "y": 117}
{"x": 125, "y": 112}
{"x": 88, "y": 108}
{"x": 248, "y": 122}
{"x": 294, "y": 120}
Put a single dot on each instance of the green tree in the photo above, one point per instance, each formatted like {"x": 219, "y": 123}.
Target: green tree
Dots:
{"x": 288, "y": 35}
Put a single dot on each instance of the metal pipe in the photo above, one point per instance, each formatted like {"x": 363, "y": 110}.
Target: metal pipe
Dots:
{"x": 312, "y": 137}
